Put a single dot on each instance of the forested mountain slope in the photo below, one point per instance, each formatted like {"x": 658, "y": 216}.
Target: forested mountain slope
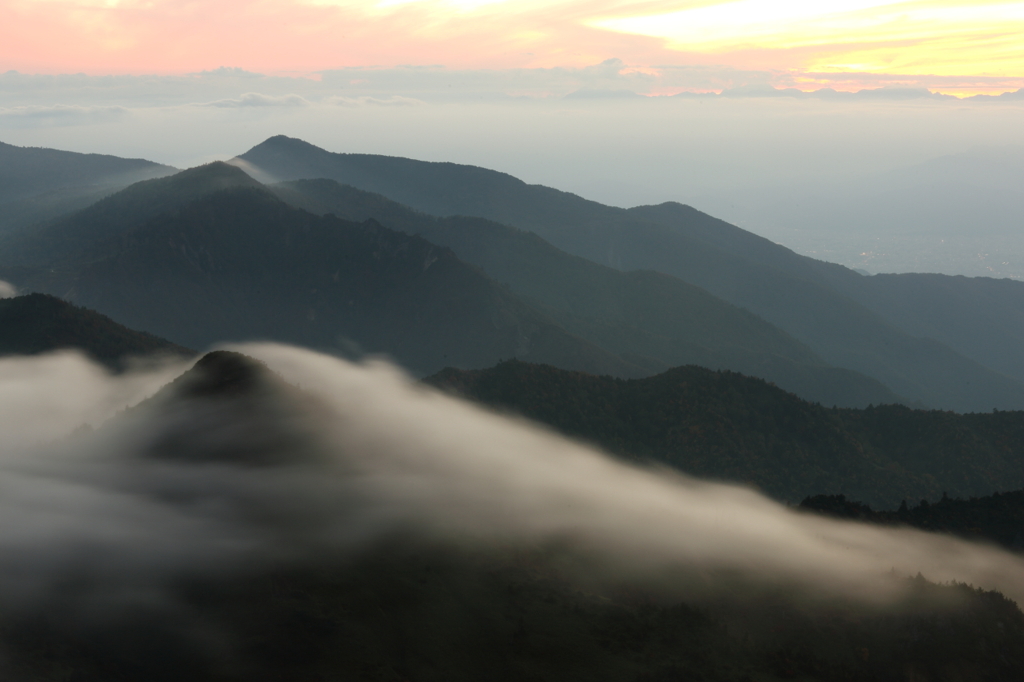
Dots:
{"x": 656, "y": 320}
{"x": 239, "y": 264}
{"x": 723, "y": 425}
{"x": 787, "y": 290}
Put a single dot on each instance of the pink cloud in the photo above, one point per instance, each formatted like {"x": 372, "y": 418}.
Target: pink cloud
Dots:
{"x": 180, "y": 36}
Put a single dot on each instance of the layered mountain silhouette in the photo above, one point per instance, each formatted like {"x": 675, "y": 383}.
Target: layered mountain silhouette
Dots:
{"x": 142, "y": 256}
{"x": 655, "y": 320}
{"x": 980, "y": 317}
{"x": 797, "y": 294}
{"x": 208, "y": 255}
{"x": 37, "y": 184}
{"x": 38, "y": 323}
{"x": 723, "y": 425}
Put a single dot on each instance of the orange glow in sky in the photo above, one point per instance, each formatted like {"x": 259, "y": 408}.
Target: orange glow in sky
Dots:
{"x": 970, "y": 46}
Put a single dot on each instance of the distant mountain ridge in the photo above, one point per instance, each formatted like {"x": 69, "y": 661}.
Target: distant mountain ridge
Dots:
{"x": 93, "y": 257}
{"x": 795, "y": 293}
{"x": 37, "y": 184}
{"x": 655, "y": 320}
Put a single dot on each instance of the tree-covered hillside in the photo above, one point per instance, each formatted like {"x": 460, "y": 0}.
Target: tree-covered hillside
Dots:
{"x": 795, "y": 293}
{"x": 37, "y": 184}
{"x": 655, "y": 320}
{"x": 209, "y": 256}
{"x": 723, "y": 425}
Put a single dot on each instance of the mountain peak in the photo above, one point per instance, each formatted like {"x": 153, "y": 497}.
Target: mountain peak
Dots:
{"x": 284, "y": 142}
{"x": 216, "y": 171}
{"x": 223, "y": 373}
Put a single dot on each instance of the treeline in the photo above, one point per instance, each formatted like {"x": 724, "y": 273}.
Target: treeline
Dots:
{"x": 726, "y": 426}
{"x": 997, "y": 518}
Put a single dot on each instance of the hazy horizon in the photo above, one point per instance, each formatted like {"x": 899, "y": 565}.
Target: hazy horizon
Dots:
{"x": 902, "y": 183}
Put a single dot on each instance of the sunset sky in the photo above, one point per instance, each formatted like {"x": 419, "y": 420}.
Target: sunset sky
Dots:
{"x": 947, "y": 46}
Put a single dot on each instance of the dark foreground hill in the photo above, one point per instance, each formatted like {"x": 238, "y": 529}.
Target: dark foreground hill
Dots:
{"x": 406, "y": 609}
{"x": 655, "y": 320}
{"x": 38, "y": 323}
{"x": 444, "y": 616}
{"x": 795, "y": 293}
{"x": 207, "y": 256}
{"x": 37, "y": 184}
{"x": 726, "y": 426}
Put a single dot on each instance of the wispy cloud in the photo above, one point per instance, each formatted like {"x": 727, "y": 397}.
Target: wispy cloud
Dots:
{"x": 393, "y": 101}
{"x": 255, "y": 99}
{"x": 61, "y": 114}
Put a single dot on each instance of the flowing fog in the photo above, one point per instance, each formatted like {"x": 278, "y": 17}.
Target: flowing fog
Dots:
{"x": 358, "y": 452}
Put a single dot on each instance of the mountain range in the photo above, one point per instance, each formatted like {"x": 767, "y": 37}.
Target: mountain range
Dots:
{"x": 829, "y": 308}
{"x": 655, "y": 320}
{"x": 209, "y": 255}
{"x": 247, "y": 554}
{"x": 705, "y": 293}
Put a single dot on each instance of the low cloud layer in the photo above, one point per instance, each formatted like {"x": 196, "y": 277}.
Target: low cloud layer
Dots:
{"x": 7, "y": 290}
{"x": 213, "y": 488}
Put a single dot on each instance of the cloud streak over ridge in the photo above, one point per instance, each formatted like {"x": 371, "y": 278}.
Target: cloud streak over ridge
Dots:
{"x": 212, "y": 486}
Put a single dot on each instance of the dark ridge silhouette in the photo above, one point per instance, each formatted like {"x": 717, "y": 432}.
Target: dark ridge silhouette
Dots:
{"x": 656, "y": 320}
{"x": 726, "y": 426}
{"x": 795, "y": 293}
{"x": 38, "y": 323}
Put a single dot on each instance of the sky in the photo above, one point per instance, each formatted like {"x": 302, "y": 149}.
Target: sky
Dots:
{"x": 819, "y": 125}
{"x": 947, "y": 46}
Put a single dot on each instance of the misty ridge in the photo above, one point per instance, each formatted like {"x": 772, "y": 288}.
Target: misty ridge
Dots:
{"x": 301, "y": 504}
{"x": 867, "y": 199}
{"x": 231, "y": 472}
